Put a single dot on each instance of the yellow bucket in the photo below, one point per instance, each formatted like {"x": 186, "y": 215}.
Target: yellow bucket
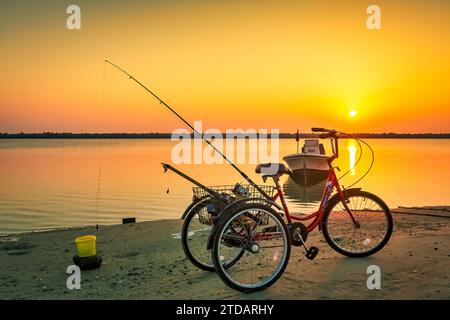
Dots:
{"x": 86, "y": 246}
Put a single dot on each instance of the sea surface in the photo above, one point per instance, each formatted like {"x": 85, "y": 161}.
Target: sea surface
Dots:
{"x": 48, "y": 184}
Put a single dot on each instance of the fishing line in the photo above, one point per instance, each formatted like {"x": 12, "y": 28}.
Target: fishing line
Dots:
{"x": 100, "y": 146}
{"x": 168, "y": 182}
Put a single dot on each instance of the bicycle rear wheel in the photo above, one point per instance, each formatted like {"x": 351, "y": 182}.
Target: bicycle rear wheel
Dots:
{"x": 262, "y": 234}
{"x": 197, "y": 227}
{"x": 371, "y": 232}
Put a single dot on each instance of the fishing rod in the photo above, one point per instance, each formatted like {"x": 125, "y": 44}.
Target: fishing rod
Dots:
{"x": 185, "y": 176}
{"x": 247, "y": 178}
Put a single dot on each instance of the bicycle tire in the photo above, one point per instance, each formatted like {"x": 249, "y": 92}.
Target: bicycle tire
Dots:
{"x": 349, "y": 194}
{"x": 185, "y": 240}
{"x": 220, "y": 270}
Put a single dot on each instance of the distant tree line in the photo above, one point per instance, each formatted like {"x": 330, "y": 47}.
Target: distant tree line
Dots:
{"x": 157, "y": 135}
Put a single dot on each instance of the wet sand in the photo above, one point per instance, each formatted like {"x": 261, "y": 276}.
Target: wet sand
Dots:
{"x": 144, "y": 261}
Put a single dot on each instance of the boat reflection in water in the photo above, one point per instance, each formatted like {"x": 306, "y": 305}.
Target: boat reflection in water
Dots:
{"x": 303, "y": 198}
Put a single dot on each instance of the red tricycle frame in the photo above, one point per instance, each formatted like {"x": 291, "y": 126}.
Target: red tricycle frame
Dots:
{"x": 332, "y": 183}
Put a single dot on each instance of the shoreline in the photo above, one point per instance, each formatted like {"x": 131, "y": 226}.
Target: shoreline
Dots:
{"x": 400, "y": 209}
{"x": 145, "y": 261}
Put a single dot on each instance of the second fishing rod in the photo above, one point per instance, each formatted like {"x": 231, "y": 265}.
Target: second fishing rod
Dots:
{"x": 243, "y": 174}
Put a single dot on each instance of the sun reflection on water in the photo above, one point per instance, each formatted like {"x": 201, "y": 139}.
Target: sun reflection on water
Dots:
{"x": 352, "y": 156}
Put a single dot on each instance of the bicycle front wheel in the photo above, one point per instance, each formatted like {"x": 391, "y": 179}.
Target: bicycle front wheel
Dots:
{"x": 365, "y": 236}
{"x": 263, "y": 236}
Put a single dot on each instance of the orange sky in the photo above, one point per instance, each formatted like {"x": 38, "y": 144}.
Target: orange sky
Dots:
{"x": 252, "y": 64}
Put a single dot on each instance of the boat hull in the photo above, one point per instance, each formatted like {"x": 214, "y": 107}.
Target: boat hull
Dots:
{"x": 307, "y": 169}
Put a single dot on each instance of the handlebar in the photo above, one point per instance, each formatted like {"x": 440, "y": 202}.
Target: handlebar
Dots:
{"x": 335, "y": 136}
{"x": 326, "y": 135}
{"x": 329, "y": 133}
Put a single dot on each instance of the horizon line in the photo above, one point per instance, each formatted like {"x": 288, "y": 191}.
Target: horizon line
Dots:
{"x": 167, "y": 134}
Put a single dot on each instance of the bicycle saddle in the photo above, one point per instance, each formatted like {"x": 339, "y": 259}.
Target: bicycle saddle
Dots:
{"x": 271, "y": 169}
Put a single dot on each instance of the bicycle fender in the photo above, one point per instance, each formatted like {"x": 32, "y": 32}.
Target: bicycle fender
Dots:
{"x": 192, "y": 206}
{"x": 345, "y": 192}
{"x": 211, "y": 238}
{"x": 186, "y": 211}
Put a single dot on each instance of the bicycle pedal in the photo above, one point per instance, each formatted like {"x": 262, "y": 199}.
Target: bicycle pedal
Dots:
{"x": 312, "y": 253}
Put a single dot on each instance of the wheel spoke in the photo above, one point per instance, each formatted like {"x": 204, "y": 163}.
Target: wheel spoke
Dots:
{"x": 265, "y": 254}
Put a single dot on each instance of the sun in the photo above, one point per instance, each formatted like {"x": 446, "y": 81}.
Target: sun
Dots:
{"x": 352, "y": 113}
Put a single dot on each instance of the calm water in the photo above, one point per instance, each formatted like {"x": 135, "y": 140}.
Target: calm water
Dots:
{"x": 54, "y": 183}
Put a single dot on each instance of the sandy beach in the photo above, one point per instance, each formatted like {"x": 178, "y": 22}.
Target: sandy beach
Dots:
{"x": 145, "y": 261}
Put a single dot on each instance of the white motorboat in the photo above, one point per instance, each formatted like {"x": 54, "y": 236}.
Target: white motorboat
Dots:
{"x": 311, "y": 165}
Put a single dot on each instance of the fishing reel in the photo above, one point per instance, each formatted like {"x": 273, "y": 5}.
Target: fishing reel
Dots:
{"x": 219, "y": 203}
{"x": 241, "y": 191}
